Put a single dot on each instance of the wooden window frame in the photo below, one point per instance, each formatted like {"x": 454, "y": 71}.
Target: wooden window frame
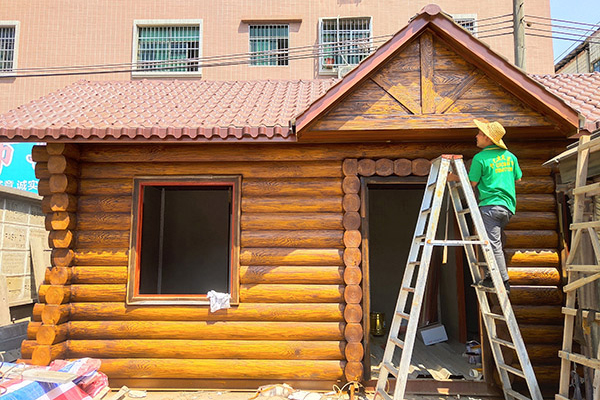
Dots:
{"x": 133, "y": 276}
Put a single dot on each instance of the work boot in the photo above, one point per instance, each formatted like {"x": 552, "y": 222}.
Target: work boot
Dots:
{"x": 485, "y": 283}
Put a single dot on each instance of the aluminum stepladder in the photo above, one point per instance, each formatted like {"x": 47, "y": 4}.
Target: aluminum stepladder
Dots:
{"x": 410, "y": 299}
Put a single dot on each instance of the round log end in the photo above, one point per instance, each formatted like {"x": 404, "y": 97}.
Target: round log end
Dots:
{"x": 351, "y": 220}
{"x": 59, "y": 275}
{"x": 351, "y": 202}
{"x": 402, "y": 167}
{"x": 352, "y": 275}
{"x": 58, "y": 295}
{"x": 354, "y": 351}
{"x": 384, "y": 167}
{"x": 41, "y": 356}
{"x": 420, "y": 166}
{"x": 352, "y": 294}
{"x": 353, "y": 313}
{"x": 353, "y": 332}
{"x": 350, "y": 166}
{"x": 353, "y": 371}
{"x": 351, "y": 184}
{"x": 366, "y": 167}
{"x": 46, "y": 334}
{"x": 352, "y": 238}
{"x": 352, "y": 257}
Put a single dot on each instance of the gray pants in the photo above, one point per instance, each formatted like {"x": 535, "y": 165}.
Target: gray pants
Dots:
{"x": 495, "y": 219}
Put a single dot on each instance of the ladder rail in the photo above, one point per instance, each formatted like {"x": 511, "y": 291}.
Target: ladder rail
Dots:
{"x": 511, "y": 320}
{"x": 418, "y": 264}
{"x": 411, "y": 265}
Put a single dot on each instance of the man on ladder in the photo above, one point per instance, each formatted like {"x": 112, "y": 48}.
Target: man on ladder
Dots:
{"x": 494, "y": 170}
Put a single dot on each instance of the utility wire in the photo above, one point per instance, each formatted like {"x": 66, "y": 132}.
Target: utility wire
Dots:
{"x": 291, "y": 53}
{"x": 563, "y": 20}
{"x": 556, "y": 37}
{"x": 329, "y": 46}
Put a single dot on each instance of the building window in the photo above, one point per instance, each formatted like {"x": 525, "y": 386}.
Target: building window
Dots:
{"x": 9, "y": 32}
{"x": 467, "y": 21}
{"x": 343, "y": 41}
{"x": 167, "y": 47}
{"x": 185, "y": 239}
{"x": 269, "y": 44}
{"x": 596, "y": 66}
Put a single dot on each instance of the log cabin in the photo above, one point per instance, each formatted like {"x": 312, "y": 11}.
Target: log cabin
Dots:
{"x": 298, "y": 198}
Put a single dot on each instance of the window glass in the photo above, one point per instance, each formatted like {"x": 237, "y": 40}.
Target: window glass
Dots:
{"x": 344, "y": 41}
{"x": 269, "y": 44}
{"x": 184, "y": 239}
{"x": 7, "y": 48}
{"x": 168, "y": 48}
{"x": 596, "y": 66}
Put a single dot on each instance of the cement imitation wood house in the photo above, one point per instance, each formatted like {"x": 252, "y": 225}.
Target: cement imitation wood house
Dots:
{"x": 157, "y": 192}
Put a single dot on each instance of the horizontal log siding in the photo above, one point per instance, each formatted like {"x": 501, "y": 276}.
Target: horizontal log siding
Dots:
{"x": 291, "y": 272}
{"x": 292, "y": 266}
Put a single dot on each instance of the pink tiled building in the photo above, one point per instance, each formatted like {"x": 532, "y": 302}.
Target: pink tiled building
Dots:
{"x": 301, "y": 36}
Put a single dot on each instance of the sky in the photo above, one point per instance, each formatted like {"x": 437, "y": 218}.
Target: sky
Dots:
{"x": 587, "y": 11}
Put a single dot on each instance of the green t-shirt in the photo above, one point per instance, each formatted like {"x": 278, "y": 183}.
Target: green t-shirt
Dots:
{"x": 495, "y": 170}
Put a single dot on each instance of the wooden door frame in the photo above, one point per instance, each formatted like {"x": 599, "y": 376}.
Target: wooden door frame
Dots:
{"x": 364, "y": 197}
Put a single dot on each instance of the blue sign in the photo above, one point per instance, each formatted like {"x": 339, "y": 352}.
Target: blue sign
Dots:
{"x": 17, "y": 169}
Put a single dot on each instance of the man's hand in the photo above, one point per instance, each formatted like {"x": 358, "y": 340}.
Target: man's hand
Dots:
{"x": 452, "y": 177}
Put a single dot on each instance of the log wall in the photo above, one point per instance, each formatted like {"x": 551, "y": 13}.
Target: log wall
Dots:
{"x": 300, "y": 314}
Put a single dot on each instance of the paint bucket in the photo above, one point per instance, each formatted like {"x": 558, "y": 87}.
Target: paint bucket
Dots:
{"x": 377, "y": 323}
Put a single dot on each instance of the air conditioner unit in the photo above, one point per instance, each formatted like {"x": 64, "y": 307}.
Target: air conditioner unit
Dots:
{"x": 343, "y": 70}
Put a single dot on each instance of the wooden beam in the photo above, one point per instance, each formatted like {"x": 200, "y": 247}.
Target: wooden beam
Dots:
{"x": 399, "y": 93}
{"x": 458, "y": 91}
{"x": 427, "y": 90}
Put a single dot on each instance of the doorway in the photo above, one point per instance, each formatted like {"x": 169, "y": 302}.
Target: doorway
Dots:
{"x": 392, "y": 207}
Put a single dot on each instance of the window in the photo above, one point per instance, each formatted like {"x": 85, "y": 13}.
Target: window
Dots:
{"x": 167, "y": 48}
{"x": 343, "y": 41}
{"x": 467, "y": 21}
{"x": 596, "y": 66}
{"x": 9, "y": 32}
{"x": 185, "y": 239}
{"x": 269, "y": 44}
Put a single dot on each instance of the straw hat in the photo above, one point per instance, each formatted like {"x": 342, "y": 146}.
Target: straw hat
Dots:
{"x": 494, "y": 130}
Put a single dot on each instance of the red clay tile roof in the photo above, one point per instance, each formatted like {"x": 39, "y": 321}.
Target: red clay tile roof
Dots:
{"x": 159, "y": 110}
{"x": 580, "y": 91}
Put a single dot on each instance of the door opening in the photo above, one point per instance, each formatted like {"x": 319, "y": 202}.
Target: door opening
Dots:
{"x": 392, "y": 208}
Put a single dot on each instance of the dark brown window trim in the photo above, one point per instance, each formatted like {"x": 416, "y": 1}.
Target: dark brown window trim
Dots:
{"x": 233, "y": 181}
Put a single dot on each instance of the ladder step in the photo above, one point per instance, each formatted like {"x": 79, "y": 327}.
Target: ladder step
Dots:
{"x": 503, "y": 342}
{"x": 512, "y": 370}
{"x": 420, "y": 238}
{"x": 588, "y": 190}
{"x": 583, "y": 268}
{"x": 516, "y": 395}
{"x": 560, "y": 397}
{"x": 406, "y": 316}
{"x": 384, "y": 395}
{"x": 494, "y": 316}
{"x": 464, "y": 211}
{"x": 480, "y": 263}
{"x": 414, "y": 263}
{"x": 579, "y": 359}
{"x": 426, "y": 211}
{"x": 390, "y": 368}
{"x": 573, "y": 312}
{"x": 408, "y": 289}
{"x": 583, "y": 225}
{"x": 397, "y": 342}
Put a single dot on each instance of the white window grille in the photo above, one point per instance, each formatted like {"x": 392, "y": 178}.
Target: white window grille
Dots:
{"x": 467, "y": 21}
{"x": 269, "y": 44}
{"x": 8, "y": 47}
{"x": 343, "y": 41}
{"x": 167, "y": 48}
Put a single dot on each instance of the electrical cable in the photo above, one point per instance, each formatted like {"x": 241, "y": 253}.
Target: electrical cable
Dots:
{"x": 562, "y": 20}
{"x": 329, "y": 46}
